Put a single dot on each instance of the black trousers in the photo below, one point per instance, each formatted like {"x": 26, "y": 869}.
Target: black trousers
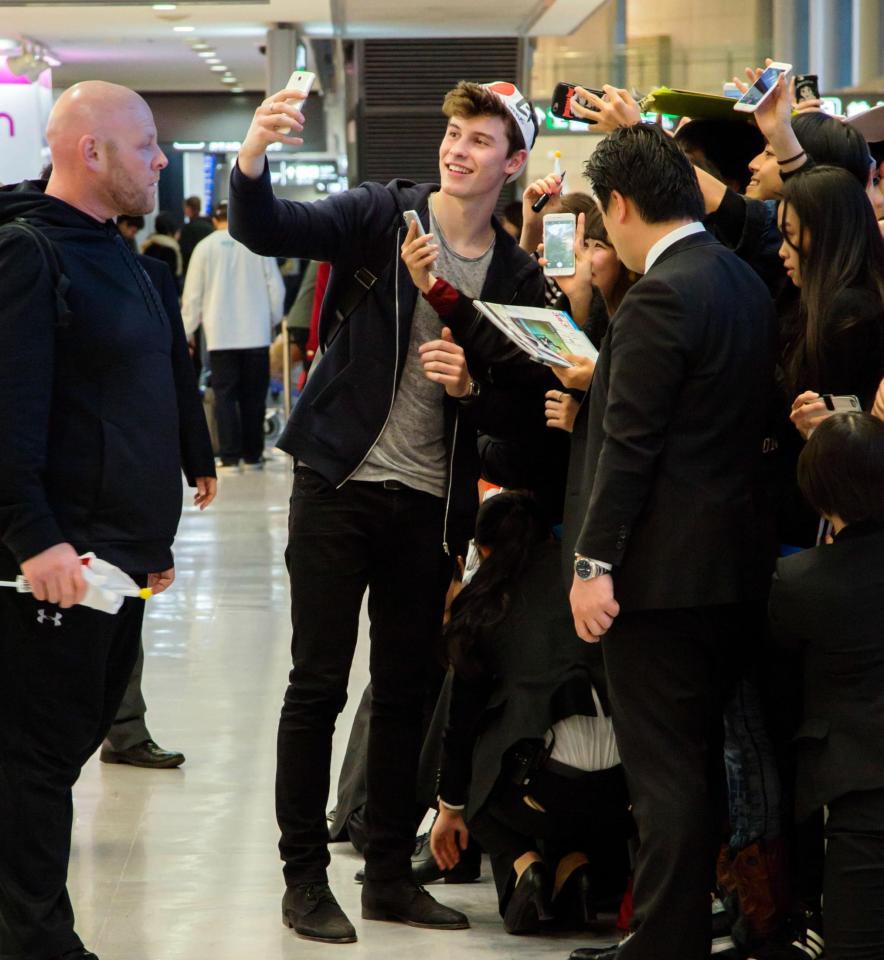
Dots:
{"x": 853, "y": 901}
{"x": 587, "y": 813}
{"x": 62, "y": 677}
{"x": 240, "y": 379}
{"x": 342, "y": 542}
{"x": 669, "y": 674}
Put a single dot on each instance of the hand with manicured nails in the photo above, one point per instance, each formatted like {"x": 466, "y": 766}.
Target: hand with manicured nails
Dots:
{"x": 419, "y": 254}
{"x": 448, "y": 837}
{"x": 617, "y": 109}
{"x": 593, "y": 607}
{"x": 273, "y": 113}
{"x": 445, "y": 362}
{"x": 56, "y": 575}
{"x": 561, "y": 410}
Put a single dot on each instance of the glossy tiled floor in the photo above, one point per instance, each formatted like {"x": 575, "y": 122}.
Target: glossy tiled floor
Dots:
{"x": 182, "y": 864}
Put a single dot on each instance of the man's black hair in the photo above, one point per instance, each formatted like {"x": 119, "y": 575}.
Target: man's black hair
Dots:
{"x": 134, "y": 220}
{"x": 647, "y": 166}
{"x": 829, "y": 141}
{"x": 513, "y": 213}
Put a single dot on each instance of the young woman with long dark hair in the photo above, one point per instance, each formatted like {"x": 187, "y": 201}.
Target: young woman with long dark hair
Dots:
{"x": 529, "y": 765}
{"x": 834, "y": 344}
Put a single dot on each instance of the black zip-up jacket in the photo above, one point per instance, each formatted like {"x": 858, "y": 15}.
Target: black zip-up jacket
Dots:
{"x": 97, "y": 415}
{"x": 348, "y": 397}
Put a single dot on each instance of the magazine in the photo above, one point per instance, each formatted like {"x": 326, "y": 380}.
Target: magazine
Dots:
{"x": 545, "y": 335}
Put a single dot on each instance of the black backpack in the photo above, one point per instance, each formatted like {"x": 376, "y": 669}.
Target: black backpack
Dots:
{"x": 46, "y": 249}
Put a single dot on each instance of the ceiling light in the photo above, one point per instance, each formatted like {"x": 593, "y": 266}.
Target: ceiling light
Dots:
{"x": 212, "y": 60}
{"x": 218, "y": 68}
{"x": 237, "y": 90}
{"x": 184, "y": 29}
{"x": 165, "y": 6}
{"x": 206, "y": 53}
{"x": 228, "y": 80}
{"x": 199, "y": 45}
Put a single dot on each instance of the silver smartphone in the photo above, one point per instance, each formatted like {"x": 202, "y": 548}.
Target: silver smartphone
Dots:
{"x": 411, "y": 216}
{"x": 841, "y": 404}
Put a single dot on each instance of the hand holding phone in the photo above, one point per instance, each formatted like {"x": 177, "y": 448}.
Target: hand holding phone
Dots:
{"x": 565, "y": 95}
{"x": 764, "y": 85}
{"x": 302, "y": 81}
{"x": 410, "y": 217}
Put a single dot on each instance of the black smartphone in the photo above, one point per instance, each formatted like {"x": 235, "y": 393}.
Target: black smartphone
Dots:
{"x": 807, "y": 87}
{"x": 561, "y": 101}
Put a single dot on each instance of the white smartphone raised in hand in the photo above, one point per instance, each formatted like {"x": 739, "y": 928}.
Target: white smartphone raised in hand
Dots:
{"x": 762, "y": 88}
{"x": 559, "y": 231}
{"x": 410, "y": 217}
{"x": 302, "y": 81}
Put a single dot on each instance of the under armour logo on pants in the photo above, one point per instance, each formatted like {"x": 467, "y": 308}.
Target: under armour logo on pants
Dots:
{"x": 43, "y": 616}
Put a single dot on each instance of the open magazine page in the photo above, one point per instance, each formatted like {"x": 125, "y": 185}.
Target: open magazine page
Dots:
{"x": 545, "y": 335}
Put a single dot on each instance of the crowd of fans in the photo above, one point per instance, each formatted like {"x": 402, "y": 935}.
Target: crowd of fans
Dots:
{"x": 642, "y": 669}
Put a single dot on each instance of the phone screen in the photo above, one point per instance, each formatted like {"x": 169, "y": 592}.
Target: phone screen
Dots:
{"x": 558, "y": 243}
{"x": 762, "y": 85}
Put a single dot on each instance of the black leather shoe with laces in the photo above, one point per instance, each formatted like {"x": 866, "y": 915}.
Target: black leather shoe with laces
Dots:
{"x": 311, "y": 910}
{"x": 146, "y": 754}
{"x": 403, "y": 901}
{"x": 594, "y": 953}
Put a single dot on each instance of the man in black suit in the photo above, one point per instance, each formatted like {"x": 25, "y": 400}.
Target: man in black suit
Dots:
{"x": 660, "y": 526}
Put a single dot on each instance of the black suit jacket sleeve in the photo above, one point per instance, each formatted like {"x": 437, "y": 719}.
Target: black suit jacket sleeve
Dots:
{"x": 648, "y": 353}
{"x": 468, "y": 700}
{"x": 197, "y": 459}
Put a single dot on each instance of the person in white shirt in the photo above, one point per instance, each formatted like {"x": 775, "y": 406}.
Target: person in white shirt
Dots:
{"x": 237, "y": 296}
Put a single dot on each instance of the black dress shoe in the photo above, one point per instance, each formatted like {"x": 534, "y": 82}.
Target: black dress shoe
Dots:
{"x": 573, "y": 905}
{"x": 145, "y": 754}
{"x": 528, "y": 905}
{"x": 594, "y": 953}
{"x": 310, "y": 909}
{"x": 81, "y": 953}
{"x": 404, "y": 901}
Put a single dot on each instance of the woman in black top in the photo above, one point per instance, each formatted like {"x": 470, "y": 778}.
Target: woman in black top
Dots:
{"x": 833, "y": 252}
{"x": 529, "y": 758}
{"x": 829, "y": 601}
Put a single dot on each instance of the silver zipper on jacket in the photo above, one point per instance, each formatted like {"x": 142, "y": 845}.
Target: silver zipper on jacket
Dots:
{"x": 395, "y": 368}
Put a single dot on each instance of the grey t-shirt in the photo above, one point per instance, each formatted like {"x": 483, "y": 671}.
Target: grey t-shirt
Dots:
{"x": 411, "y": 448}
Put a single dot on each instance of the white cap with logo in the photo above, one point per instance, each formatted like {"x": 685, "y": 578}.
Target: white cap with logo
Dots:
{"x": 522, "y": 112}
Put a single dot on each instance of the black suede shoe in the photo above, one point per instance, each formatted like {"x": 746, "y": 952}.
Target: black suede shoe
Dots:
{"x": 145, "y": 754}
{"x": 310, "y": 909}
{"x": 403, "y": 901}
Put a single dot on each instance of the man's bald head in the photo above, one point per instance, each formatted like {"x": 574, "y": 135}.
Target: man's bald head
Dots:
{"x": 104, "y": 149}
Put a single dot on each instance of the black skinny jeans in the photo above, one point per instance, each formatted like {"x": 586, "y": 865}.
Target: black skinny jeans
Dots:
{"x": 342, "y": 542}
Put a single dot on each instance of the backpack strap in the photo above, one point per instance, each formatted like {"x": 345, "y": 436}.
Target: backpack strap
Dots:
{"x": 49, "y": 254}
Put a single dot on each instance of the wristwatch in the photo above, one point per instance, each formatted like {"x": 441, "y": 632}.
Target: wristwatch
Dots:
{"x": 587, "y": 569}
{"x": 471, "y": 394}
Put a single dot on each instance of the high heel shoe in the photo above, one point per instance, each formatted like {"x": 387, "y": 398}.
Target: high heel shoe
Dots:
{"x": 573, "y": 905}
{"x": 528, "y": 906}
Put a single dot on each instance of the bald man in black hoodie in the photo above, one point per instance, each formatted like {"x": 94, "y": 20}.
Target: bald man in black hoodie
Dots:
{"x": 98, "y": 415}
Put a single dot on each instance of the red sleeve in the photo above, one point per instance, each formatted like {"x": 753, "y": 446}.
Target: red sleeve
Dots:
{"x": 442, "y": 297}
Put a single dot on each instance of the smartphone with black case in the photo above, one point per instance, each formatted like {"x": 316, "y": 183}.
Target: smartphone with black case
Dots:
{"x": 563, "y": 94}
